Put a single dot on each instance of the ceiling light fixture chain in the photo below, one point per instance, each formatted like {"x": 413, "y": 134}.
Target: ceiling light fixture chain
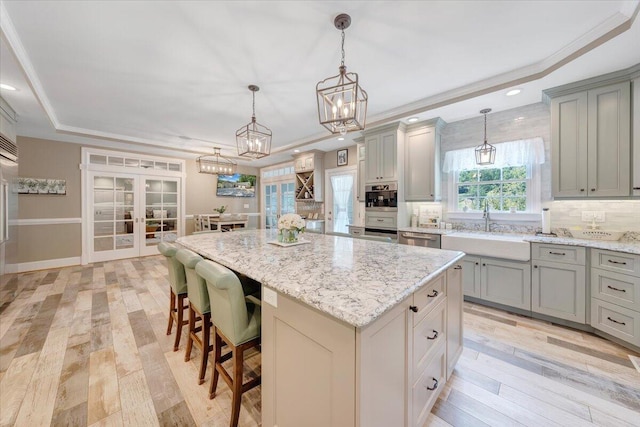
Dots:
{"x": 342, "y": 102}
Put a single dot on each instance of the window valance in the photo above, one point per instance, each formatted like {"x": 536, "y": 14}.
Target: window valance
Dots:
{"x": 520, "y": 152}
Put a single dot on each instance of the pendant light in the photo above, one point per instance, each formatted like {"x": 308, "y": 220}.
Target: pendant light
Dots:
{"x": 485, "y": 153}
{"x": 342, "y": 103}
{"x": 254, "y": 139}
{"x": 215, "y": 164}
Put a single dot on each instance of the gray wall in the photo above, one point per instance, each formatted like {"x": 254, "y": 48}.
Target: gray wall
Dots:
{"x": 40, "y": 158}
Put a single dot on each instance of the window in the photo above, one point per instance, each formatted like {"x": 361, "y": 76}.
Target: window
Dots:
{"x": 511, "y": 185}
{"x": 505, "y": 189}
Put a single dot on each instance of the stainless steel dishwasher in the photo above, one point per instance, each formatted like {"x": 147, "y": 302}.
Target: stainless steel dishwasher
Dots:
{"x": 419, "y": 239}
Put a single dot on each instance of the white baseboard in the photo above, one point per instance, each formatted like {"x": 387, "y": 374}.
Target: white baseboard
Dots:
{"x": 42, "y": 265}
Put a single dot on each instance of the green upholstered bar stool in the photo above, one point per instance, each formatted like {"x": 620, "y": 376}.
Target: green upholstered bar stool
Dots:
{"x": 198, "y": 305}
{"x": 236, "y": 321}
{"x": 178, "y": 295}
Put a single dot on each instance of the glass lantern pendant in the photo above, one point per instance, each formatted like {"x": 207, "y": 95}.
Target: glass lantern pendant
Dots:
{"x": 253, "y": 139}
{"x": 485, "y": 153}
{"x": 342, "y": 103}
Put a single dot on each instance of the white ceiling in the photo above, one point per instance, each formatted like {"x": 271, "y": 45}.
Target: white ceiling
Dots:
{"x": 171, "y": 77}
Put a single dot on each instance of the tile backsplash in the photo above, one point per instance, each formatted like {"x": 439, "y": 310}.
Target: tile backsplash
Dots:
{"x": 620, "y": 215}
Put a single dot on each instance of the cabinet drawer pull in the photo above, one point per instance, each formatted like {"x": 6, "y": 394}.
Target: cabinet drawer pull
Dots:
{"x": 557, "y": 253}
{"x": 616, "y": 262}
{"x": 593, "y": 189}
{"x": 435, "y": 335}
{"x": 435, "y": 385}
{"x": 582, "y": 189}
{"x": 615, "y": 321}
{"x": 413, "y": 308}
{"x": 433, "y": 294}
{"x": 457, "y": 267}
{"x": 616, "y": 289}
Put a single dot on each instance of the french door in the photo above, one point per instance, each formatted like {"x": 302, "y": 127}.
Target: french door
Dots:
{"x": 340, "y": 199}
{"x": 131, "y": 214}
{"x": 279, "y": 199}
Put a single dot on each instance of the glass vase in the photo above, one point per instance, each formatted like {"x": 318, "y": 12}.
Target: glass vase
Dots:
{"x": 289, "y": 236}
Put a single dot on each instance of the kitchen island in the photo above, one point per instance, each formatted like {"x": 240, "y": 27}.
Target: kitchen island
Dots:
{"x": 354, "y": 332}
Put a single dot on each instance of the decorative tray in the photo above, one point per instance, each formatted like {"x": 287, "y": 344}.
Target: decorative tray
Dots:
{"x": 299, "y": 242}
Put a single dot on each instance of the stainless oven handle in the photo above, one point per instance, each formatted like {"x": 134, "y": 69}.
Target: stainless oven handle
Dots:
{"x": 413, "y": 236}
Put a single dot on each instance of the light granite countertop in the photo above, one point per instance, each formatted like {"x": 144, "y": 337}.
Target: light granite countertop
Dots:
{"x": 353, "y": 280}
{"x": 627, "y": 247}
{"x": 631, "y": 247}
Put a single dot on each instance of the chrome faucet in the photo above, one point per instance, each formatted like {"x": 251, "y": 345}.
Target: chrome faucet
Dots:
{"x": 485, "y": 215}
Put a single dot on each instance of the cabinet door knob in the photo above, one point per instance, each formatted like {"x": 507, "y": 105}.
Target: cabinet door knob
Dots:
{"x": 413, "y": 308}
{"x": 484, "y": 265}
{"x": 435, "y": 335}
{"x": 435, "y": 385}
{"x": 593, "y": 189}
{"x": 433, "y": 294}
{"x": 477, "y": 263}
{"x": 582, "y": 189}
{"x": 535, "y": 266}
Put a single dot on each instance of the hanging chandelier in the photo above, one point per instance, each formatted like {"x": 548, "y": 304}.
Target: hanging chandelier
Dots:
{"x": 485, "y": 153}
{"x": 215, "y": 164}
{"x": 253, "y": 139}
{"x": 342, "y": 103}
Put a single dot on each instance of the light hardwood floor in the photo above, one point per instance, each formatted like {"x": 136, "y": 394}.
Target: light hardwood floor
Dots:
{"x": 84, "y": 346}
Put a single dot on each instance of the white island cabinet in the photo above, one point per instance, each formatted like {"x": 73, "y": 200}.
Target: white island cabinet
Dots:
{"x": 354, "y": 332}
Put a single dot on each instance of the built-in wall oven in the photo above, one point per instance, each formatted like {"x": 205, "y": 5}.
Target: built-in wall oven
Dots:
{"x": 381, "y": 196}
{"x": 381, "y": 210}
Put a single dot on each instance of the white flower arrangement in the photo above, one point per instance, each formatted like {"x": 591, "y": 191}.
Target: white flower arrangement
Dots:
{"x": 291, "y": 221}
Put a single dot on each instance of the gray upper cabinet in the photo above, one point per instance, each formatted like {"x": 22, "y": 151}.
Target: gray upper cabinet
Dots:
{"x": 591, "y": 145}
{"x": 381, "y": 162}
{"x": 421, "y": 162}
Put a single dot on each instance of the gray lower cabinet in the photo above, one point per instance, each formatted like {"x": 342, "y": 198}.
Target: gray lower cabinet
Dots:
{"x": 558, "y": 281}
{"x": 497, "y": 280}
{"x": 615, "y": 294}
{"x": 471, "y": 276}
{"x": 506, "y": 282}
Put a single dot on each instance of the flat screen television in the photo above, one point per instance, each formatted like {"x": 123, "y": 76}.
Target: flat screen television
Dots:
{"x": 236, "y": 185}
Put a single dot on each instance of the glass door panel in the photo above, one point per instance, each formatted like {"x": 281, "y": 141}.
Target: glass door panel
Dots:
{"x": 287, "y": 198}
{"x": 341, "y": 199}
{"x": 161, "y": 212}
{"x": 113, "y": 215}
{"x": 271, "y": 205}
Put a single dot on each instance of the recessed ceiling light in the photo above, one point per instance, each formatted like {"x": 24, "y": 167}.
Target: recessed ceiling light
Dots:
{"x": 341, "y": 138}
{"x": 413, "y": 119}
{"x": 514, "y": 92}
{"x": 296, "y": 151}
{"x": 6, "y": 87}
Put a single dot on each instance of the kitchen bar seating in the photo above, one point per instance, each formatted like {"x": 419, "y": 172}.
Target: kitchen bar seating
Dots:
{"x": 198, "y": 305}
{"x": 178, "y": 283}
{"x": 236, "y": 321}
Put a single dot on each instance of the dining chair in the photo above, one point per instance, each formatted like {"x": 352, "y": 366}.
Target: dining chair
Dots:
{"x": 236, "y": 322}
{"x": 178, "y": 289}
{"x": 199, "y": 309}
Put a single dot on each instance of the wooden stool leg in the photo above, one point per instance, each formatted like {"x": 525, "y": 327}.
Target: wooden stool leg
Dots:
{"x": 192, "y": 327}
{"x": 236, "y": 400}
{"x": 172, "y": 304}
{"x": 217, "y": 351}
{"x": 180, "y": 322}
{"x": 206, "y": 333}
